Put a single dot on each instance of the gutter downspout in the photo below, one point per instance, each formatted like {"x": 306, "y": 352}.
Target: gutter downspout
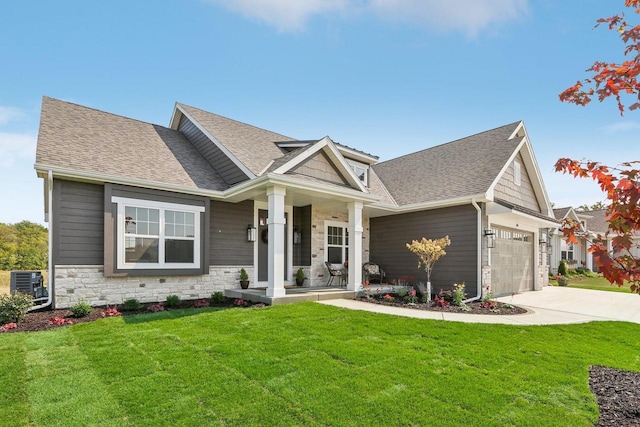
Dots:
{"x": 50, "y": 244}
{"x": 479, "y": 251}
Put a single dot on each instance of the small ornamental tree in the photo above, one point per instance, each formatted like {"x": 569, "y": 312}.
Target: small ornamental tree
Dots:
{"x": 428, "y": 252}
{"x": 622, "y": 187}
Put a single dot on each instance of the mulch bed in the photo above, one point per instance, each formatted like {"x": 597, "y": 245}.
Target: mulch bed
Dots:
{"x": 475, "y": 307}
{"x": 42, "y": 320}
{"x": 618, "y": 396}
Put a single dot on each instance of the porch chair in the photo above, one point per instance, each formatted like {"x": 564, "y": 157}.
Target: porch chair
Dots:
{"x": 373, "y": 272}
{"x": 336, "y": 270}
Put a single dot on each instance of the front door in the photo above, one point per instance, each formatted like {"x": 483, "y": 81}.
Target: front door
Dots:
{"x": 263, "y": 246}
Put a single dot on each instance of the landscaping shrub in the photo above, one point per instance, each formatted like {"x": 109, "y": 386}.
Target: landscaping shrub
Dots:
{"x": 562, "y": 268}
{"x": 458, "y": 294}
{"x": 172, "y": 301}
{"x": 563, "y": 281}
{"x": 14, "y": 307}
{"x": 132, "y": 304}
{"x": 217, "y": 298}
{"x": 81, "y": 309}
{"x": 402, "y": 291}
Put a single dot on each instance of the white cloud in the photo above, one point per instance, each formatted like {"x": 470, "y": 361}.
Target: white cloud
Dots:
{"x": 285, "y": 15}
{"x": 468, "y": 16}
{"x": 10, "y": 114}
{"x": 621, "y": 127}
{"x": 16, "y": 146}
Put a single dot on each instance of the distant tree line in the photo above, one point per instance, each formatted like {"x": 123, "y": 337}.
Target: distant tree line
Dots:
{"x": 23, "y": 246}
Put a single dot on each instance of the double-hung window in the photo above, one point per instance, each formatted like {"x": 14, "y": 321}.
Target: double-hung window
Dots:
{"x": 157, "y": 235}
{"x": 337, "y": 242}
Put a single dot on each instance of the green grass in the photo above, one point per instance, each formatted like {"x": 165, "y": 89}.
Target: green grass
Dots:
{"x": 305, "y": 364}
{"x": 595, "y": 283}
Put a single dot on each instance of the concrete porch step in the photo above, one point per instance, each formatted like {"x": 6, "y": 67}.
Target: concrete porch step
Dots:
{"x": 292, "y": 295}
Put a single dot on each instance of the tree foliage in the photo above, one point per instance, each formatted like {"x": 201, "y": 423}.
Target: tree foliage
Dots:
{"x": 23, "y": 246}
{"x": 622, "y": 187}
{"x": 594, "y": 207}
{"x": 428, "y": 252}
{"x": 613, "y": 78}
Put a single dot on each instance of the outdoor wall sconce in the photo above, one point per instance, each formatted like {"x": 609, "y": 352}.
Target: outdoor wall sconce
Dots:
{"x": 251, "y": 233}
{"x": 297, "y": 236}
{"x": 490, "y": 236}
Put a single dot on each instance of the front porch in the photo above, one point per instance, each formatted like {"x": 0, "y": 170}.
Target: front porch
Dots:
{"x": 292, "y": 294}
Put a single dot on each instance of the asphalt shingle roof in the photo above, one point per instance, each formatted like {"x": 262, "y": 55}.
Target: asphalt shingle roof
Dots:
{"x": 597, "y": 224}
{"x": 84, "y": 139}
{"x": 461, "y": 168}
{"x": 252, "y": 146}
{"x": 560, "y": 213}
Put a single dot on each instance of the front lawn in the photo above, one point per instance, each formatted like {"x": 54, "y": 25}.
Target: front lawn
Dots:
{"x": 305, "y": 364}
{"x": 598, "y": 283}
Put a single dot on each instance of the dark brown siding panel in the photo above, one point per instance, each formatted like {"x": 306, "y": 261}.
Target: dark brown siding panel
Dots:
{"x": 390, "y": 234}
{"x": 78, "y": 223}
{"x": 231, "y": 173}
{"x": 228, "y": 232}
{"x": 302, "y": 224}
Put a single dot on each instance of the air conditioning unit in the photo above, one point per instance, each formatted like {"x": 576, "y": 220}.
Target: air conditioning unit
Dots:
{"x": 27, "y": 282}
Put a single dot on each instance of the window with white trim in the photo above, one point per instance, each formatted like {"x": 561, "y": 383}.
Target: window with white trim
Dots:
{"x": 517, "y": 173}
{"x": 361, "y": 170}
{"x": 336, "y": 242}
{"x": 157, "y": 235}
{"x": 566, "y": 250}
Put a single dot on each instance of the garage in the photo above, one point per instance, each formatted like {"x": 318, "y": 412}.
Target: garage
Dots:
{"x": 512, "y": 261}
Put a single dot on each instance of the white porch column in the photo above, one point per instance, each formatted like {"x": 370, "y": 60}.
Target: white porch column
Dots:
{"x": 276, "y": 222}
{"x": 588, "y": 256}
{"x": 355, "y": 246}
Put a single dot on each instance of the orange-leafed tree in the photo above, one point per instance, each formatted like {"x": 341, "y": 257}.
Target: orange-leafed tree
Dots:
{"x": 621, "y": 184}
{"x": 613, "y": 78}
{"x": 621, "y": 262}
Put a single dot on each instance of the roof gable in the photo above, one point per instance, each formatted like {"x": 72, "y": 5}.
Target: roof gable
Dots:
{"x": 463, "y": 168}
{"x": 329, "y": 149}
{"x": 251, "y": 148}
{"x": 532, "y": 191}
{"x": 319, "y": 166}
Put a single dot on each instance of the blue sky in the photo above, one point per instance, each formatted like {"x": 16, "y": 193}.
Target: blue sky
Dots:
{"x": 389, "y": 77}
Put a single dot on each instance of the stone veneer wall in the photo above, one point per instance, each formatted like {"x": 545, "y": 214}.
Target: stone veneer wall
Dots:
{"x": 87, "y": 283}
{"x": 317, "y": 273}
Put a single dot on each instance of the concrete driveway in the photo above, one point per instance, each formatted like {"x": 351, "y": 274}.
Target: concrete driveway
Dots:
{"x": 550, "y": 306}
{"x": 555, "y": 304}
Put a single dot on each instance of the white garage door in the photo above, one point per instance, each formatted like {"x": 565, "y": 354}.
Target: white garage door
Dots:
{"x": 512, "y": 261}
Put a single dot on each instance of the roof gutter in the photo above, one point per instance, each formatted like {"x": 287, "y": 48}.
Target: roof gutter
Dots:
{"x": 479, "y": 252}
{"x": 50, "y": 278}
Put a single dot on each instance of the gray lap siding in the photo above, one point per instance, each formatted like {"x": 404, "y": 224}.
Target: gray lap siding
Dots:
{"x": 390, "y": 234}
{"x": 228, "y": 233}
{"x": 78, "y": 226}
{"x": 79, "y": 218}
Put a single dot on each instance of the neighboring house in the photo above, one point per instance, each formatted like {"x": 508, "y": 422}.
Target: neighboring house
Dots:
{"x": 575, "y": 255}
{"x": 593, "y": 224}
{"x": 138, "y": 210}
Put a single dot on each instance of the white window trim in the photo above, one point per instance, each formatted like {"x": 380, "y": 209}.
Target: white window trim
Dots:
{"x": 517, "y": 173}
{"x": 345, "y": 248}
{"x": 122, "y": 202}
{"x": 364, "y": 166}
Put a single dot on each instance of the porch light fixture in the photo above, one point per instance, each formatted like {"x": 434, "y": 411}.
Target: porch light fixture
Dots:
{"x": 490, "y": 236}
{"x": 251, "y": 233}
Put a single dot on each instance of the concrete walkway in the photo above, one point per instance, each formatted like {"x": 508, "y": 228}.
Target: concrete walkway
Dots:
{"x": 550, "y": 306}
